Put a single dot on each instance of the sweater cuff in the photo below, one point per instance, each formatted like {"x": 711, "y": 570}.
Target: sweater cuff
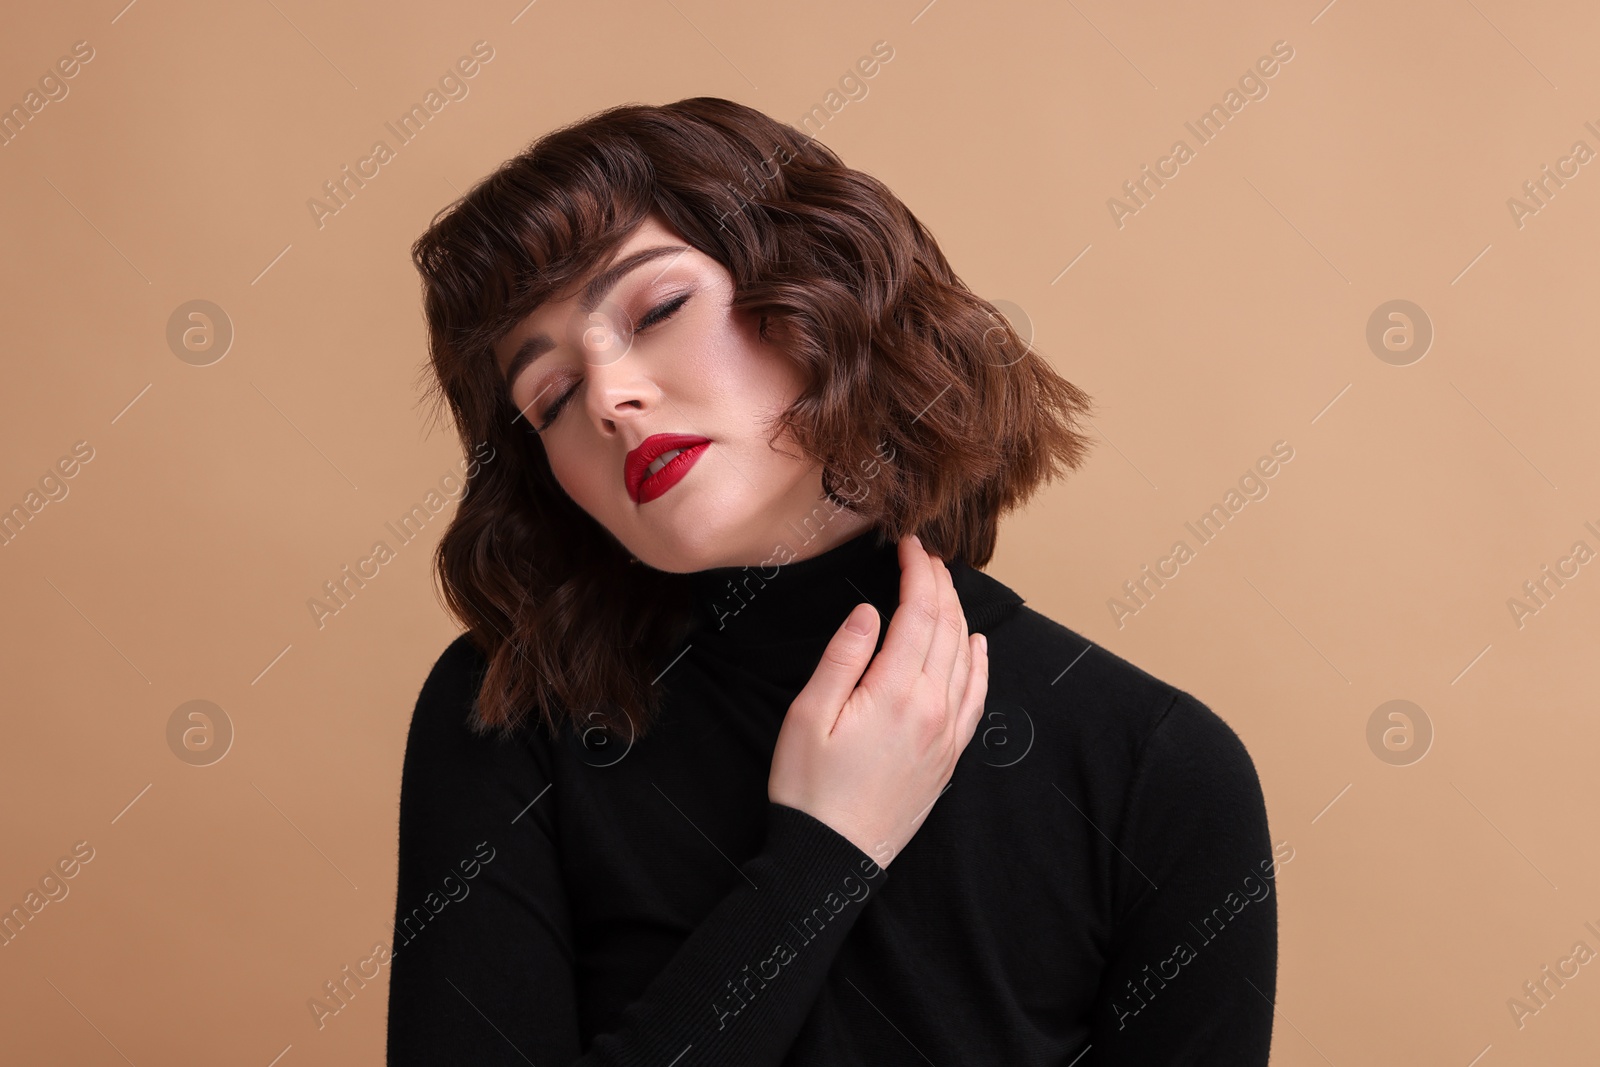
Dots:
{"x": 820, "y": 848}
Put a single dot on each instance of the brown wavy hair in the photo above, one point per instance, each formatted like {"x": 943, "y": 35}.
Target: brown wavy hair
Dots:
{"x": 903, "y": 361}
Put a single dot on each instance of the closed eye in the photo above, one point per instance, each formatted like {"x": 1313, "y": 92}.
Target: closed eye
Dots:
{"x": 659, "y": 313}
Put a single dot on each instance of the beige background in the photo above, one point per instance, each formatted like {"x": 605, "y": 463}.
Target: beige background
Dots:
{"x": 1229, "y": 313}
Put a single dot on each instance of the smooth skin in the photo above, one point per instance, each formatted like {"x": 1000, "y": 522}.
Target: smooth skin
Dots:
{"x": 634, "y": 368}
{"x": 870, "y": 759}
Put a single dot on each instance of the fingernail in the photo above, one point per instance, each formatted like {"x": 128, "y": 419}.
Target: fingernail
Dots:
{"x": 916, "y": 542}
{"x": 983, "y": 639}
{"x": 860, "y": 622}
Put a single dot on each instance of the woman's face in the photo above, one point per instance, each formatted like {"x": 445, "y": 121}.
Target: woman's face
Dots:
{"x": 658, "y": 351}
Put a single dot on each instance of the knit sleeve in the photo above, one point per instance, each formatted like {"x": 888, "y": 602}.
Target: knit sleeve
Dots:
{"x": 482, "y": 970}
{"x": 1192, "y": 973}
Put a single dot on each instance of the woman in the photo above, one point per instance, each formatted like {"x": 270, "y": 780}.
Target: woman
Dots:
{"x": 696, "y": 785}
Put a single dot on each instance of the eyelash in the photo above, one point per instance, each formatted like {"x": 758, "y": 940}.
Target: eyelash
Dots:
{"x": 658, "y": 314}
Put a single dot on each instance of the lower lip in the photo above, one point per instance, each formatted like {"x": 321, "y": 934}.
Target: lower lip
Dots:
{"x": 671, "y": 474}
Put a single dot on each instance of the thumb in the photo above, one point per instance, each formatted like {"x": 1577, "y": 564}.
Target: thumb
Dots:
{"x": 841, "y": 666}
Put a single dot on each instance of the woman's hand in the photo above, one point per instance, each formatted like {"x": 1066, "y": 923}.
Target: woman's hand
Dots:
{"x": 869, "y": 759}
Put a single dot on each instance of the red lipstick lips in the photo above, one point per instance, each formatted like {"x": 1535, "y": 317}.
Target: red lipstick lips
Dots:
{"x": 644, "y": 486}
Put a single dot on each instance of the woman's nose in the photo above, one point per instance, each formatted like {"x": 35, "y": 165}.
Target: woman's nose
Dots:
{"x": 620, "y": 391}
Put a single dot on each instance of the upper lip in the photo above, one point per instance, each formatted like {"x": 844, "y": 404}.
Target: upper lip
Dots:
{"x": 651, "y": 449}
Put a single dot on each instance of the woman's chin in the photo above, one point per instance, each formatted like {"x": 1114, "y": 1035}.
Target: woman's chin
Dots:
{"x": 684, "y": 543}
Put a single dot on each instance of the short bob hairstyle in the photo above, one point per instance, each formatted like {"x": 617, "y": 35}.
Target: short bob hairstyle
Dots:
{"x": 908, "y": 371}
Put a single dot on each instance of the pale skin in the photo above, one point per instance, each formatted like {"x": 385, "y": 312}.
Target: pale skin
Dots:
{"x": 663, "y": 352}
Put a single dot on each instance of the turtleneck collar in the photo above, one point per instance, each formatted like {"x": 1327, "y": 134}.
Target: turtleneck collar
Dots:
{"x": 783, "y": 602}
{"x": 807, "y": 600}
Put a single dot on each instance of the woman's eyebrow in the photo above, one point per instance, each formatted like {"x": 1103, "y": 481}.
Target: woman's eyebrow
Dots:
{"x": 537, "y": 345}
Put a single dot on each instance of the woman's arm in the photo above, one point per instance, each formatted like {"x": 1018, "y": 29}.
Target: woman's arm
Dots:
{"x": 482, "y": 971}
{"x": 1192, "y": 973}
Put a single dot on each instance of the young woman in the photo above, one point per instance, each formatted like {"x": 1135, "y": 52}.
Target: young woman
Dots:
{"x": 741, "y": 759}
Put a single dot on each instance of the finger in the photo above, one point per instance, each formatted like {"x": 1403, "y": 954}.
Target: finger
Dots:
{"x": 977, "y": 691}
{"x": 947, "y": 634}
{"x": 941, "y": 667}
{"x": 839, "y": 670}
{"x": 911, "y": 629}
{"x": 962, "y": 669}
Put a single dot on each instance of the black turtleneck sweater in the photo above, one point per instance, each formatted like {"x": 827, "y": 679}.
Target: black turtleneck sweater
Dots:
{"x": 1094, "y": 886}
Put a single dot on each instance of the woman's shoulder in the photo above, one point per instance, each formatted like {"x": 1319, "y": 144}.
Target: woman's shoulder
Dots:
{"x": 443, "y": 720}
{"x": 457, "y": 782}
{"x": 1090, "y": 696}
{"x": 1147, "y": 760}
{"x": 460, "y": 658}
{"x": 452, "y": 683}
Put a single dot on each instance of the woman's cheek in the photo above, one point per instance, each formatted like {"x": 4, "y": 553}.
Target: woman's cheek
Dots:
{"x": 580, "y": 478}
